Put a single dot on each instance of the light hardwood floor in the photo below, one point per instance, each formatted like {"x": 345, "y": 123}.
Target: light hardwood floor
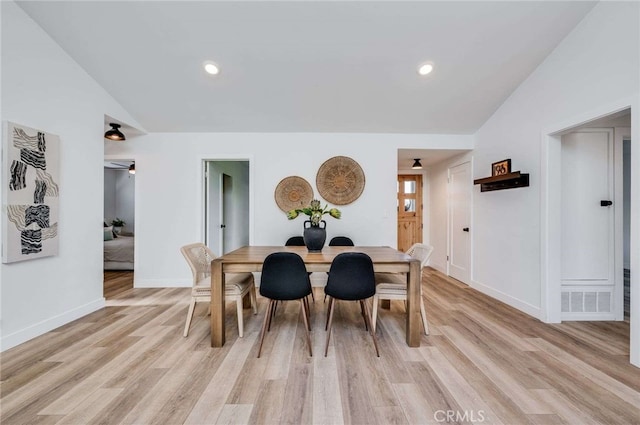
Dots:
{"x": 484, "y": 362}
{"x": 116, "y": 282}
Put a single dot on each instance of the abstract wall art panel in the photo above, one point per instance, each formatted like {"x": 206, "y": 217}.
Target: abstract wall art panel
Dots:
{"x": 30, "y": 193}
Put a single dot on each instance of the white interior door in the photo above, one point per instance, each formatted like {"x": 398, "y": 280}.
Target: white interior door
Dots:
{"x": 587, "y": 235}
{"x": 459, "y": 256}
{"x": 226, "y": 218}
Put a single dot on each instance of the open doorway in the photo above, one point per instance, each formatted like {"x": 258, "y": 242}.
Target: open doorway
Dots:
{"x": 590, "y": 298}
{"x": 227, "y": 208}
{"x": 119, "y": 226}
{"x": 435, "y": 171}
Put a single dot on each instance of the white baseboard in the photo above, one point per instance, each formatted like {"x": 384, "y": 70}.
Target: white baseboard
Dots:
{"x": 442, "y": 268}
{"x": 37, "y": 329}
{"x": 527, "y": 308}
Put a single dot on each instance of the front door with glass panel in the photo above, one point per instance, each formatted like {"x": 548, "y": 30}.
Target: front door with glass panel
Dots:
{"x": 409, "y": 210}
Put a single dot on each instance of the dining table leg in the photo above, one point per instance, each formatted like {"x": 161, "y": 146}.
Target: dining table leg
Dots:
{"x": 217, "y": 304}
{"x": 413, "y": 304}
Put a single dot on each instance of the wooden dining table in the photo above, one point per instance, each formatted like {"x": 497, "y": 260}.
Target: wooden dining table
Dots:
{"x": 250, "y": 259}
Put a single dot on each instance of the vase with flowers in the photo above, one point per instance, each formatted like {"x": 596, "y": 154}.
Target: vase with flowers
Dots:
{"x": 315, "y": 233}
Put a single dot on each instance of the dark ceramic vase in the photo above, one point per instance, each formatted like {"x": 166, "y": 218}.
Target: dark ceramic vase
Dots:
{"x": 314, "y": 236}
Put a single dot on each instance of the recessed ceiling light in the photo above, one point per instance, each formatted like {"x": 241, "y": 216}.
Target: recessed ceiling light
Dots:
{"x": 211, "y": 68}
{"x": 425, "y": 68}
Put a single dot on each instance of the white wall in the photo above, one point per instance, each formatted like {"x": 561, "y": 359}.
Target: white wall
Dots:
{"x": 169, "y": 201}
{"x": 109, "y": 195}
{"x": 595, "y": 66}
{"x": 45, "y": 89}
{"x": 626, "y": 224}
{"x": 125, "y": 200}
{"x": 119, "y": 191}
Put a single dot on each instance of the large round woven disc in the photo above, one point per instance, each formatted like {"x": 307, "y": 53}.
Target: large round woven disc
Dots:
{"x": 293, "y": 192}
{"x": 340, "y": 180}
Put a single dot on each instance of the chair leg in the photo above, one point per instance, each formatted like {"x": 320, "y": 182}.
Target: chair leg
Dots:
{"x": 307, "y": 310}
{"x": 192, "y": 307}
{"x": 303, "y": 310}
{"x": 254, "y": 300}
{"x": 326, "y": 324}
{"x": 240, "y": 317}
{"x": 373, "y": 334}
{"x": 423, "y": 313}
{"x": 366, "y": 327}
{"x": 332, "y": 304}
{"x": 273, "y": 314}
{"x": 374, "y": 313}
{"x": 267, "y": 318}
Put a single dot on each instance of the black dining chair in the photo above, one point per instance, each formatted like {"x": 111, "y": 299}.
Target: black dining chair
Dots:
{"x": 351, "y": 278}
{"x": 340, "y": 241}
{"x": 298, "y": 241}
{"x": 284, "y": 278}
{"x": 295, "y": 241}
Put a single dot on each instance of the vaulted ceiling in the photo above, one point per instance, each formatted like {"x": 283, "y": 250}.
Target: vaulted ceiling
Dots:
{"x": 307, "y": 66}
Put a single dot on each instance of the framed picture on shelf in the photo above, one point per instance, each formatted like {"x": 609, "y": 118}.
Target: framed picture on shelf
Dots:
{"x": 501, "y": 167}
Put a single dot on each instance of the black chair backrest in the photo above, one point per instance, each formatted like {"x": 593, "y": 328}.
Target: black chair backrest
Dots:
{"x": 295, "y": 241}
{"x": 284, "y": 277}
{"x": 340, "y": 241}
{"x": 351, "y": 277}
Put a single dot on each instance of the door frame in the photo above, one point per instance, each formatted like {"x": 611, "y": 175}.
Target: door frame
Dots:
{"x": 470, "y": 201}
{"x": 614, "y": 223}
{"x": 550, "y": 217}
{"x": 129, "y": 157}
{"x": 202, "y": 190}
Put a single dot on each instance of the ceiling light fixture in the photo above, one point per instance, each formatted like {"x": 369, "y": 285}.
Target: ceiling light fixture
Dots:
{"x": 114, "y": 133}
{"x": 425, "y": 68}
{"x": 211, "y": 68}
{"x": 416, "y": 164}
{"x": 132, "y": 169}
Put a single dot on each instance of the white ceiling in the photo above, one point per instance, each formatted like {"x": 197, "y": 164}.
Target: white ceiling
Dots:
{"x": 118, "y": 164}
{"x": 305, "y": 66}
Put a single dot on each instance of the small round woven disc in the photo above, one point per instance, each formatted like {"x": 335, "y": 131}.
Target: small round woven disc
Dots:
{"x": 293, "y": 192}
{"x": 340, "y": 180}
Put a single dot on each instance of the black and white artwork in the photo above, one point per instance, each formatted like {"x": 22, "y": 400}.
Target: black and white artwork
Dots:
{"x": 30, "y": 196}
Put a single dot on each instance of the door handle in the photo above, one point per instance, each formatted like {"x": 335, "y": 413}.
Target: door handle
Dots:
{"x": 605, "y": 203}
{"x": 465, "y": 229}
{"x": 222, "y": 226}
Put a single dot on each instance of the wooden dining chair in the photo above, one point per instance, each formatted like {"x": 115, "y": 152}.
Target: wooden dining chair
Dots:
{"x": 237, "y": 285}
{"x": 393, "y": 286}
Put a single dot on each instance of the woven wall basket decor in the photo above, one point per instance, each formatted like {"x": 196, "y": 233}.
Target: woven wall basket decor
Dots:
{"x": 293, "y": 192}
{"x": 340, "y": 180}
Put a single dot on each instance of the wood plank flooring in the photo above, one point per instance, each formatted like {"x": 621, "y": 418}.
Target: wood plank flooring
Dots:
{"x": 116, "y": 282}
{"x": 483, "y": 362}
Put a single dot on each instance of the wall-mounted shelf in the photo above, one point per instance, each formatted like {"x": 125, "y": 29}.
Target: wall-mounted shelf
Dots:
{"x": 503, "y": 181}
